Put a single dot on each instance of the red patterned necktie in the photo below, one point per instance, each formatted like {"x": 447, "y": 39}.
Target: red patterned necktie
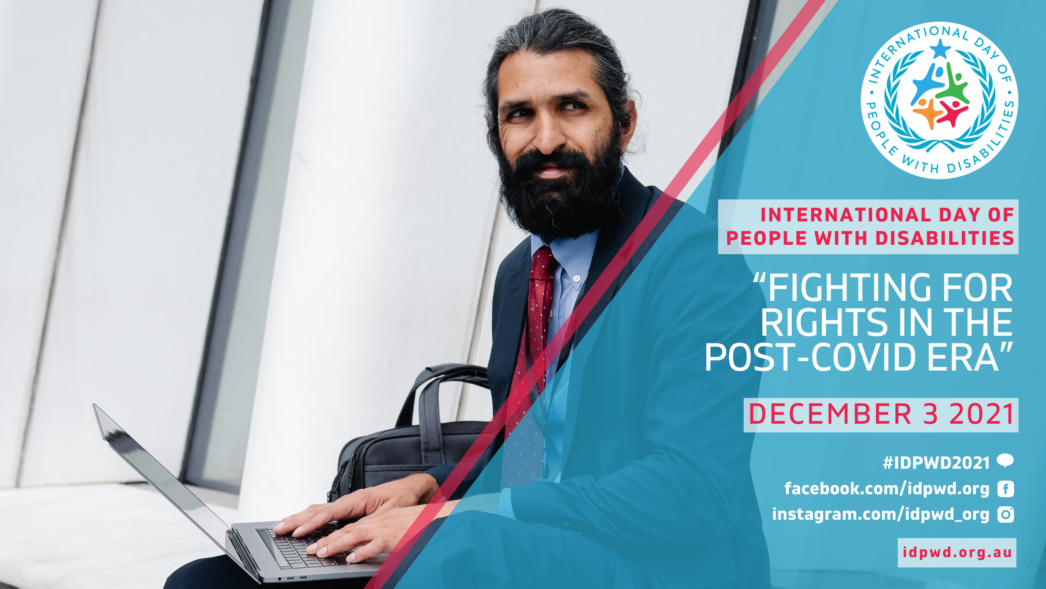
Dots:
{"x": 539, "y": 307}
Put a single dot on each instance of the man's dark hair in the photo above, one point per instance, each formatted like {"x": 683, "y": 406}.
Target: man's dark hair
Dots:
{"x": 554, "y": 30}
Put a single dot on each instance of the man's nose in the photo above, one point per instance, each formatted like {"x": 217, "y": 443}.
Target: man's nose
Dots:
{"x": 549, "y": 136}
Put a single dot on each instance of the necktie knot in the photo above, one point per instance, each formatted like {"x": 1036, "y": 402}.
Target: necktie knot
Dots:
{"x": 544, "y": 265}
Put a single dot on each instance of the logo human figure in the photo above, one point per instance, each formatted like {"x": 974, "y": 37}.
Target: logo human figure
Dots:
{"x": 929, "y": 112}
{"x": 927, "y": 83}
{"x": 954, "y": 90}
{"x": 953, "y": 113}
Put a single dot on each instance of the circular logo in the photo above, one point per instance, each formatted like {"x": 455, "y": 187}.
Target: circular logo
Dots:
{"x": 939, "y": 100}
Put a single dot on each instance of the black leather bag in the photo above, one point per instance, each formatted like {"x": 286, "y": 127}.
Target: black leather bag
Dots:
{"x": 409, "y": 449}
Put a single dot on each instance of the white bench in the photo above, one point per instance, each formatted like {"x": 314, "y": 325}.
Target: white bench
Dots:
{"x": 106, "y": 536}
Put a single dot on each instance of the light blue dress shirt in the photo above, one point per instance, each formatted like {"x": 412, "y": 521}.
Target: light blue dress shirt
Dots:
{"x": 574, "y": 256}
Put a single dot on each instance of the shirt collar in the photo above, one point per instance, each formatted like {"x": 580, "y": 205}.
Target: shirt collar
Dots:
{"x": 574, "y": 254}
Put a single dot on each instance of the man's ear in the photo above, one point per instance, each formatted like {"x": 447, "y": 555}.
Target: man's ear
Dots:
{"x": 627, "y": 132}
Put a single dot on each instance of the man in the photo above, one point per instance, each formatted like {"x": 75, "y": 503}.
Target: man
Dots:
{"x": 639, "y": 474}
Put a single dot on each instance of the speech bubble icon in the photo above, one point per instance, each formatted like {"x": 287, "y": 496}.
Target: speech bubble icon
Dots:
{"x": 1004, "y": 460}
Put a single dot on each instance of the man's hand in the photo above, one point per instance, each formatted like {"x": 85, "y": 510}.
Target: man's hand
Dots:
{"x": 373, "y": 535}
{"x": 408, "y": 492}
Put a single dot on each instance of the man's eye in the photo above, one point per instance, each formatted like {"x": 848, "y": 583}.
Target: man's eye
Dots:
{"x": 519, "y": 114}
{"x": 574, "y": 106}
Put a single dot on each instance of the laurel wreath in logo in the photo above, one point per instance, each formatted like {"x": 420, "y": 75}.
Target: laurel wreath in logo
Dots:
{"x": 964, "y": 141}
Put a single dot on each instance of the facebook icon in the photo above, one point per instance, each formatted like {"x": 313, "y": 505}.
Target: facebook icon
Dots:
{"x": 1005, "y": 488}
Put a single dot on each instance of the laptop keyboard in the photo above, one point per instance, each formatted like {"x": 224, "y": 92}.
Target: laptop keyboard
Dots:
{"x": 293, "y": 549}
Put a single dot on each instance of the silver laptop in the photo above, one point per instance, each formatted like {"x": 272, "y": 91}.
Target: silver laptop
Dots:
{"x": 266, "y": 557}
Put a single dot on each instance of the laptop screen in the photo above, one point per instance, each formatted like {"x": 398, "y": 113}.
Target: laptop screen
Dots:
{"x": 164, "y": 481}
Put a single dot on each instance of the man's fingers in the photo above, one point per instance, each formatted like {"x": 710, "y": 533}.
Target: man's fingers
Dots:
{"x": 353, "y": 505}
{"x": 324, "y": 541}
{"x": 350, "y": 506}
{"x": 290, "y": 523}
{"x": 320, "y": 518}
{"x": 304, "y": 522}
{"x": 369, "y": 550}
{"x": 347, "y": 540}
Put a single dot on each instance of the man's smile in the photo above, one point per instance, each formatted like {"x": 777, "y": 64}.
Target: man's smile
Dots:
{"x": 552, "y": 171}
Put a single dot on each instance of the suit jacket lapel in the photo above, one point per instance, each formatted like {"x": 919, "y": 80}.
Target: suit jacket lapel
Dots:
{"x": 511, "y": 312}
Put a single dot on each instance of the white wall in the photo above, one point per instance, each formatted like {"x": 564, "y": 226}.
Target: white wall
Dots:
{"x": 44, "y": 51}
{"x": 151, "y": 194}
{"x": 386, "y": 224}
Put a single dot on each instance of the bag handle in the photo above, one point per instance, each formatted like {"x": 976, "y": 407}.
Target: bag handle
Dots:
{"x": 428, "y": 405}
{"x": 469, "y": 373}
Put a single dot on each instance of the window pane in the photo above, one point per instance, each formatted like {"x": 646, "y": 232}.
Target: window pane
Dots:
{"x": 218, "y": 438}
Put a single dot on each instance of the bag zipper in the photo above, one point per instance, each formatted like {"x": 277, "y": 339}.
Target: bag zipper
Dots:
{"x": 333, "y": 493}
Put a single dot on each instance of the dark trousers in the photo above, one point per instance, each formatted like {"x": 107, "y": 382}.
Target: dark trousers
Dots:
{"x": 471, "y": 549}
{"x": 222, "y": 572}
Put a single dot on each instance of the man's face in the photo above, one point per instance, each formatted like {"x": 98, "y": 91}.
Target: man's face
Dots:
{"x": 561, "y": 151}
{"x": 548, "y": 103}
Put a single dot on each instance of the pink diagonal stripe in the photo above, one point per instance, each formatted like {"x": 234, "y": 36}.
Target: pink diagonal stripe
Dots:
{"x": 600, "y": 287}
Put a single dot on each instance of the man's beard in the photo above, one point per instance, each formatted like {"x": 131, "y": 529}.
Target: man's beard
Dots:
{"x": 563, "y": 207}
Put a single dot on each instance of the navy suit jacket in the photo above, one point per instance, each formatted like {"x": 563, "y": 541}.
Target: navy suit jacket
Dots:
{"x": 655, "y": 459}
